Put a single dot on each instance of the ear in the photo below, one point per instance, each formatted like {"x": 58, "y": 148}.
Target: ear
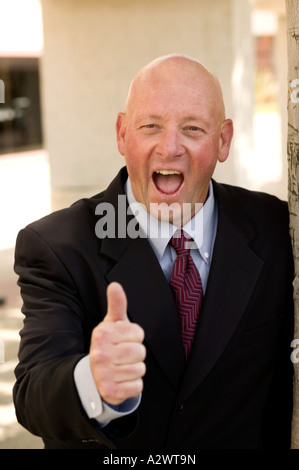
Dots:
{"x": 226, "y": 135}
{"x": 121, "y": 132}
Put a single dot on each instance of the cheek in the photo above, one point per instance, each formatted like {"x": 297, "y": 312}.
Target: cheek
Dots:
{"x": 136, "y": 157}
{"x": 202, "y": 168}
{"x": 131, "y": 155}
{"x": 137, "y": 170}
{"x": 206, "y": 157}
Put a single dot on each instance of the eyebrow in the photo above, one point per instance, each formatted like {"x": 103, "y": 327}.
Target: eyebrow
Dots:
{"x": 202, "y": 119}
{"x": 156, "y": 117}
{"x": 148, "y": 117}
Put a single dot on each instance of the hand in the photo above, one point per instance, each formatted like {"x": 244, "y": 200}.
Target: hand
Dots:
{"x": 116, "y": 351}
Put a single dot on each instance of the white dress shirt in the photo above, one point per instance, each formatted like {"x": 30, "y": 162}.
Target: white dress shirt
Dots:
{"x": 202, "y": 228}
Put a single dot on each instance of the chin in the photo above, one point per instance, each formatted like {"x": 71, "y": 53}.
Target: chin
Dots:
{"x": 170, "y": 213}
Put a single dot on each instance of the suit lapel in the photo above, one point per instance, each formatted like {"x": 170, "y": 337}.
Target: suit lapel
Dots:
{"x": 150, "y": 300}
{"x": 233, "y": 275}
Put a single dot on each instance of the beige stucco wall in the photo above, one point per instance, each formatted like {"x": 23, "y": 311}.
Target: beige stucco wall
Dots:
{"x": 92, "y": 50}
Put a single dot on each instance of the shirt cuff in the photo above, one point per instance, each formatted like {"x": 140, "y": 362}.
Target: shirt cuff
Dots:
{"x": 94, "y": 406}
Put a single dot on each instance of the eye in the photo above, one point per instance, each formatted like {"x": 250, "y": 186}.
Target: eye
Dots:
{"x": 194, "y": 130}
{"x": 149, "y": 128}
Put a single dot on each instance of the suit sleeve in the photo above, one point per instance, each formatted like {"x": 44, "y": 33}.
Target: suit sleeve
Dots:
{"x": 52, "y": 343}
{"x": 278, "y": 412}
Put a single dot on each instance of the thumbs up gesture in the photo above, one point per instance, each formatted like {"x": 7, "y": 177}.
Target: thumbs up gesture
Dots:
{"x": 116, "y": 351}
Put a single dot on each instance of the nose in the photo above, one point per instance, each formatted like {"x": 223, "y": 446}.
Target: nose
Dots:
{"x": 170, "y": 144}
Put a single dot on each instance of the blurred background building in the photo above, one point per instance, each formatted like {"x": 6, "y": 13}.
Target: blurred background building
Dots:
{"x": 65, "y": 68}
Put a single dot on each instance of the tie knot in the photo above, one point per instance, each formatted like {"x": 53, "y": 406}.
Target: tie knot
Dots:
{"x": 181, "y": 243}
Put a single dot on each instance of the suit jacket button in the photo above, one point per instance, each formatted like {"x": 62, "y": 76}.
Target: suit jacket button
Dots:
{"x": 180, "y": 407}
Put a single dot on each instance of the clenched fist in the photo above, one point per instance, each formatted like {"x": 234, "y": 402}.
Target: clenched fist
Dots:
{"x": 116, "y": 351}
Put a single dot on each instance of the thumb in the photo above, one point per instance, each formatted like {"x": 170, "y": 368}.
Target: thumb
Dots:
{"x": 116, "y": 303}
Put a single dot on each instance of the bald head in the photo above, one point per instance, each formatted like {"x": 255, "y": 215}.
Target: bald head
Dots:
{"x": 177, "y": 71}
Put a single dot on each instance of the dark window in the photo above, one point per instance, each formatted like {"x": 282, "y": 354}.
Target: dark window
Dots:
{"x": 20, "y": 114}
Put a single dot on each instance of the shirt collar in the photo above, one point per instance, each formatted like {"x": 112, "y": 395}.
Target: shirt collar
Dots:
{"x": 201, "y": 227}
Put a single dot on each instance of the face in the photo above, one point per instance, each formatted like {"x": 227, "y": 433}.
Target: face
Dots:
{"x": 172, "y": 135}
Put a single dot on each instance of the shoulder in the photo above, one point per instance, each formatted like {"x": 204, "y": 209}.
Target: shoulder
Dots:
{"x": 76, "y": 224}
{"x": 65, "y": 237}
{"x": 253, "y": 212}
{"x": 68, "y": 224}
{"x": 254, "y": 203}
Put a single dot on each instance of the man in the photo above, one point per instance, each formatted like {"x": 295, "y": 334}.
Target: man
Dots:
{"x": 109, "y": 368}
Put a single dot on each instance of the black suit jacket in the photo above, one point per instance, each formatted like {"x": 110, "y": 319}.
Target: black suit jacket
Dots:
{"x": 236, "y": 389}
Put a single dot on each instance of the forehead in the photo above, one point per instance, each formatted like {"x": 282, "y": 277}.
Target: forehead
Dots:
{"x": 174, "y": 86}
{"x": 173, "y": 102}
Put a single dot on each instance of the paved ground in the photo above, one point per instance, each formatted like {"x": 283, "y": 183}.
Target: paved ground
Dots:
{"x": 12, "y": 435}
{"x": 22, "y": 178}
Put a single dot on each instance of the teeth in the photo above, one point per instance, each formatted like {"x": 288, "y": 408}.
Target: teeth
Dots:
{"x": 168, "y": 172}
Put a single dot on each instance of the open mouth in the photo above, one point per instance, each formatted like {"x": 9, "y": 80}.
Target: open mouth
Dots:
{"x": 168, "y": 181}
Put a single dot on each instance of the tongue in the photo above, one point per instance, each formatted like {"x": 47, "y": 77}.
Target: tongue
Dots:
{"x": 168, "y": 184}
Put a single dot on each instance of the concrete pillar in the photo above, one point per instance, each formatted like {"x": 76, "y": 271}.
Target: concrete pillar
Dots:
{"x": 242, "y": 92}
{"x": 93, "y": 49}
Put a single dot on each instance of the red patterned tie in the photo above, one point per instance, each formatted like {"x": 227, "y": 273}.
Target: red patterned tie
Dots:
{"x": 186, "y": 284}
